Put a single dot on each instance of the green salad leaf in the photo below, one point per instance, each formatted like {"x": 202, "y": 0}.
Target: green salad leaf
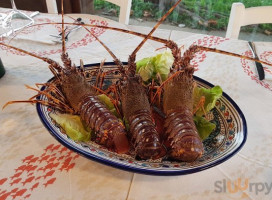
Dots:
{"x": 210, "y": 95}
{"x": 162, "y": 64}
{"x": 145, "y": 68}
{"x": 150, "y": 67}
{"x": 204, "y": 127}
{"x": 107, "y": 102}
{"x": 72, "y": 126}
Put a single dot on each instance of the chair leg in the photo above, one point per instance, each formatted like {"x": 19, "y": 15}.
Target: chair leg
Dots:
{"x": 52, "y": 6}
{"x": 125, "y": 8}
{"x": 235, "y": 20}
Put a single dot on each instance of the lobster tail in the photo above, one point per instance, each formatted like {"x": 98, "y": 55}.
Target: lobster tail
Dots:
{"x": 144, "y": 135}
{"x": 110, "y": 132}
{"x": 183, "y": 139}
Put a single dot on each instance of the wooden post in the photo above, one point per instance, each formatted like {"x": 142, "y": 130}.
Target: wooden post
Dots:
{"x": 87, "y": 6}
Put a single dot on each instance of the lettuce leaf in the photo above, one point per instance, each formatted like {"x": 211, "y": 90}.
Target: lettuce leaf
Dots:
{"x": 72, "y": 126}
{"x": 204, "y": 127}
{"x": 210, "y": 95}
{"x": 148, "y": 68}
{"x": 106, "y": 101}
{"x": 162, "y": 63}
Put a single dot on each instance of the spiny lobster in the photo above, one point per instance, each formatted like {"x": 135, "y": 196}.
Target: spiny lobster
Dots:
{"x": 69, "y": 81}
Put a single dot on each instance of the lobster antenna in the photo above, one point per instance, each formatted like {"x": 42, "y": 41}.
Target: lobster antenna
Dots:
{"x": 131, "y": 61}
{"x": 62, "y": 28}
{"x": 116, "y": 60}
{"x": 52, "y": 63}
{"x": 157, "y": 39}
{"x": 154, "y": 28}
{"x": 47, "y": 60}
{"x": 193, "y": 49}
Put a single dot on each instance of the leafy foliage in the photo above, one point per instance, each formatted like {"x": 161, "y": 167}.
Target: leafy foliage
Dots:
{"x": 201, "y": 14}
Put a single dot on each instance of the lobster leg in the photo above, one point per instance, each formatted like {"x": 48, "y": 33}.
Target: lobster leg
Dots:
{"x": 46, "y": 103}
{"x": 200, "y": 105}
{"x": 48, "y": 94}
{"x": 53, "y": 88}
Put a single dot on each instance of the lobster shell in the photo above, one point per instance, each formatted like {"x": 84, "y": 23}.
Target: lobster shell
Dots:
{"x": 136, "y": 108}
{"x": 182, "y": 140}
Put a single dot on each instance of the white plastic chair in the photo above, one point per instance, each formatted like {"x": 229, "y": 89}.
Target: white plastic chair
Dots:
{"x": 125, "y": 6}
{"x": 52, "y": 7}
{"x": 241, "y": 16}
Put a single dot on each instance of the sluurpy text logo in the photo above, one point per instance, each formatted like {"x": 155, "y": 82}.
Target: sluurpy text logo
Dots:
{"x": 242, "y": 185}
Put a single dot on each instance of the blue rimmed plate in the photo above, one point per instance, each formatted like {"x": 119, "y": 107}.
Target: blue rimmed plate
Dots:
{"x": 225, "y": 141}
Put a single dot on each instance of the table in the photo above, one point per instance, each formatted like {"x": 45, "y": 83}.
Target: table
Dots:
{"x": 32, "y": 161}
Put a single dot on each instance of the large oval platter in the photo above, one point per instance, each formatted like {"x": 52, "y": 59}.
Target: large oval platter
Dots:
{"x": 225, "y": 141}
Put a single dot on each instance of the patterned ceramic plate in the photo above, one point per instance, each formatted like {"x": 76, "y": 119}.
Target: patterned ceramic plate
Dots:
{"x": 225, "y": 141}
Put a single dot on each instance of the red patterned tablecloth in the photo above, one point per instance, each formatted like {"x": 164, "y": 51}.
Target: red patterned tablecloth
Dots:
{"x": 33, "y": 165}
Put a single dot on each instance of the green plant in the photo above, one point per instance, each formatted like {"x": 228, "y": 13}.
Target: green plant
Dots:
{"x": 197, "y": 14}
{"x": 101, "y": 4}
{"x": 139, "y": 6}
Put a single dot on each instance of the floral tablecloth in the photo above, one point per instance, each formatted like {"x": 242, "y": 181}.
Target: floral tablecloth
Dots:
{"x": 33, "y": 165}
